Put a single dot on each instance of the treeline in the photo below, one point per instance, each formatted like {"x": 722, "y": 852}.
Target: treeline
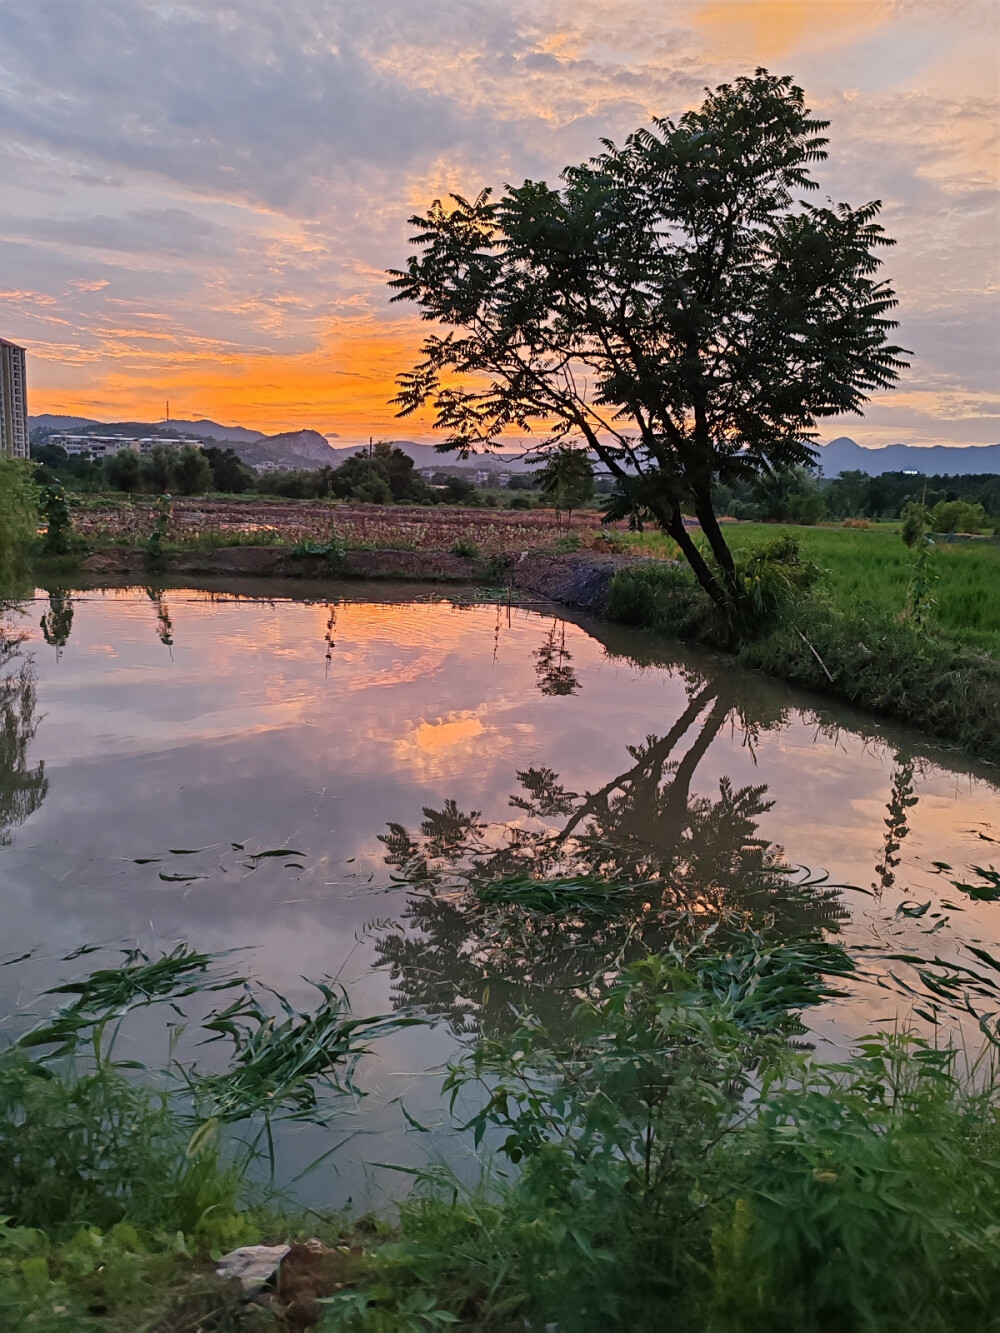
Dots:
{"x": 968, "y": 503}
{"x": 383, "y": 475}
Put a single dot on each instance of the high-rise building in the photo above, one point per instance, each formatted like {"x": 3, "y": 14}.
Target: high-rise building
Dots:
{"x": 13, "y": 401}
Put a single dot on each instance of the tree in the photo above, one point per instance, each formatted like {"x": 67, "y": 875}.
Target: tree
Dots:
{"x": 191, "y": 471}
{"x": 123, "y": 470}
{"x": 567, "y": 479}
{"x": 18, "y": 525}
{"x": 229, "y": 472}
{"x": 678, "y": 305}
{"x": 382, "y": 475}
{"x": 789, "y": 495}
{"x": 156, "y": 469}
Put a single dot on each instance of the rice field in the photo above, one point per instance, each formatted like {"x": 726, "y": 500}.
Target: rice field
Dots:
{"x": 871, "y": 567}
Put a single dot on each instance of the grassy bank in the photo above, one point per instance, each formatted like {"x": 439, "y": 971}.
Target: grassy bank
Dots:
{"x": 869, "y": 570}
{"x": 862, "y": 655}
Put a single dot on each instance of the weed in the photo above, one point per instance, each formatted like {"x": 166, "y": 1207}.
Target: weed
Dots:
{"x": 463, "y": 547}
{"x": 58, "y": 522}
{"x": 157, "y": 538}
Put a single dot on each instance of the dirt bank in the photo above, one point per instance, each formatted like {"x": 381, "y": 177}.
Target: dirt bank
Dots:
{"x": 579, "y": 580}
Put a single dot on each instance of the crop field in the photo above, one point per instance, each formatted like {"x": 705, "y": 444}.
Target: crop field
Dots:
{"x": 196, "y": 522}
{"x": 871, "y": 567}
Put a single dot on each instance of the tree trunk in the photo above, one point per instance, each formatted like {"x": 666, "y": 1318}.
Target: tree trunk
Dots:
{"x": 705, "y": 513}
{"x": 674, "y": 526}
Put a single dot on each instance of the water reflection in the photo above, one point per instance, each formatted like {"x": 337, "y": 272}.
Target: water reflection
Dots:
{"x": 164, "y": 625}
{"x": 552, "y": 663}
{"x": 57, "y": 622}
{"x": 22, "y": 785}
{"x": 635, "y": 866}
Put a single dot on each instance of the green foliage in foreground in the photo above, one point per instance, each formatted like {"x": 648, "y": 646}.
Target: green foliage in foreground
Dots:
{"x": 118, "y": 1184}
{"x": 677, "y": 1160}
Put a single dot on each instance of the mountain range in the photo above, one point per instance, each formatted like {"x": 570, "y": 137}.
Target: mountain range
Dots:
{"x": 310, "y": 449}
{"x": 845, "y": 455}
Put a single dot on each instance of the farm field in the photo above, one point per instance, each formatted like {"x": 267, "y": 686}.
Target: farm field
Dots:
{"x": 871, "y": 567}
{"x": 206, "y": 522}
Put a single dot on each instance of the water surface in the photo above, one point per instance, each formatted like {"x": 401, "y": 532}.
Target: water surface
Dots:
{"x": 335, "y": 722}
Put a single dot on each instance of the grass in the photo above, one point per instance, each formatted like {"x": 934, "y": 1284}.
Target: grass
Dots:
{"x": 869, "y": 571}
{"x": 864, "y": 656}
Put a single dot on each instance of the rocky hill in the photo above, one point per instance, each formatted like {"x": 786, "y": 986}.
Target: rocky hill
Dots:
{"x": 291, "y": 449}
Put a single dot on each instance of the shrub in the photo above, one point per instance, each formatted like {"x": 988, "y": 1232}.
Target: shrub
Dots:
{"x": 18, "y": 524}
{"x": 58, "y": 523}
{"x": 958, "y": 516}
{"x": 466, "y": 548}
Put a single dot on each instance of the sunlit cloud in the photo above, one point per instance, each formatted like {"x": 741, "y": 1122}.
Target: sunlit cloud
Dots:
{"x": 213, "y": 223}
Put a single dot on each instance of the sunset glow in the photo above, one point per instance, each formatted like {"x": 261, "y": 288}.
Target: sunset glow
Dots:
{"x": 200, "y": 202}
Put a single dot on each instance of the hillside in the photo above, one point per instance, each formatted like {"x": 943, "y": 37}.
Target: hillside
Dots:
{"x": 293, "y": 448}
{"x": 845, "y": 455}
{"x": 203, "y": 429}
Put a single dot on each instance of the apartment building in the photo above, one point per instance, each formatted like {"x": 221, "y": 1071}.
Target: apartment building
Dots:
{"x": 101, "y": 446}
{"x": 13, "y": 401}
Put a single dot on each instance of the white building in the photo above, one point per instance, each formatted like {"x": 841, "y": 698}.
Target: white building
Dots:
{"x": 13, "y": 401}
{"x": 101, "y": 446}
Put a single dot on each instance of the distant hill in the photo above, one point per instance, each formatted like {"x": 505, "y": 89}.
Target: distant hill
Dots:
{"x": 201, "y": 429}
{"x": 211, "y": 430}
{"x": 845, "y": 455}
{"x": 292, "y": 449}
{"x": 49, "y": 422}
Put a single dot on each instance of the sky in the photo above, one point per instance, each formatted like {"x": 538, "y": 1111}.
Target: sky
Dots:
{"x": 200, "y": 199}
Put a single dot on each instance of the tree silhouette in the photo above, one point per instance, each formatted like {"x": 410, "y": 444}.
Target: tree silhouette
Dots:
{"x": 677, "y": 307}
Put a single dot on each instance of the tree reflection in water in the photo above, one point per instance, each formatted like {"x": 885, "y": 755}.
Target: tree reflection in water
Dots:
{"x": 552, "y": 663}
{"x": 57, "y": 622}
{"x": 164, "y": 625}
{"x": 22, "y": 787}
{"x": 534, "y": 912}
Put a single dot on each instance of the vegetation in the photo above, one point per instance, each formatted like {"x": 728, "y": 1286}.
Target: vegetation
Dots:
{"x": 716, "y": 313}
{"x": 885, "y": 663}
{"x": 676, "y": 1156}
{"x": 567, "y": 480}
{"x": 18, "y": 524}
{"x": 117, "y": 1182}
{"x": 797, "y": 495}
{"x": 866, "y": 572}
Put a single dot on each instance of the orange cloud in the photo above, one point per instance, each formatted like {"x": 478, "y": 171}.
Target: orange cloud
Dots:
{"x": 347, "y": 380}
{"x": 768, "y": 30}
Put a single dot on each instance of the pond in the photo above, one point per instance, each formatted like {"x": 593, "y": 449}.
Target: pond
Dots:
{"x": 153, "y": 742}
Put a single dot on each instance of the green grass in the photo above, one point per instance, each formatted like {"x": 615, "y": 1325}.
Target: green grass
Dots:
{"x": 869, "y": 570}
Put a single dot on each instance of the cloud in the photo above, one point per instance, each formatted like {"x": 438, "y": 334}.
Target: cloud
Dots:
{"x": 239, "y": 175}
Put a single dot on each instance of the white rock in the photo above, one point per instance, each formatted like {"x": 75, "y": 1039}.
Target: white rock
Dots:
{"x": 252, "y": 1264}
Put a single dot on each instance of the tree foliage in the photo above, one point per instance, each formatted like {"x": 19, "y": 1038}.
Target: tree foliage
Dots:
{"x": 567, "y": 478}
{"x": 678, "y": 304}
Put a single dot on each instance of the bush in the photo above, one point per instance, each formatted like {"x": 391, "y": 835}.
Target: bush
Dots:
{"x": 958, "y": 516}
{"x": 18, "y": 524}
